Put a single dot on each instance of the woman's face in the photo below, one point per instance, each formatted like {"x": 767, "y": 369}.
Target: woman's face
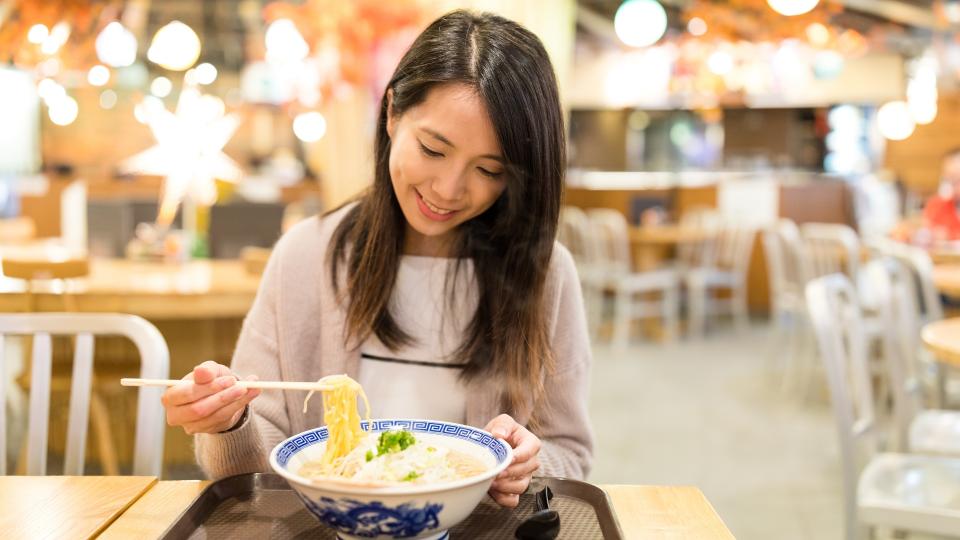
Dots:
{"x": 445, "y": 164}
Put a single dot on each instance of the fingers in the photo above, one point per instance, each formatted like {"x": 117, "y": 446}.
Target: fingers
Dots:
{"x": 509, "y": 500}
{"x": 526, "y": 445}
{"x": 224, "y": 418}
{"x": 212, "y": 402}
{"x": 183, "y": 394}
{"x": 510, "y": 486}
{"x": 521, "y": 469}
{"x": 208, "y": 371}
{"x": 502, "y": 427}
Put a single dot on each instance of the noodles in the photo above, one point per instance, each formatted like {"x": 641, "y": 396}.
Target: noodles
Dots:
{"x": 419, "y": 463}
{"x": 342, "y": 419}
{"x": 377, "y": 459}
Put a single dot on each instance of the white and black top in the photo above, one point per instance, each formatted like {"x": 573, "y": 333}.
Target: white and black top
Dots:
{"x": 421, "y": 380}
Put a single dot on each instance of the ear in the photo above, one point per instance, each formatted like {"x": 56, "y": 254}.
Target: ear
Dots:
{"x": 391, "y": 124}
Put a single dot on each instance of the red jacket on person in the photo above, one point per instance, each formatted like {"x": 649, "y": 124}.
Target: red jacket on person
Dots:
{"x": 940, "y": 214}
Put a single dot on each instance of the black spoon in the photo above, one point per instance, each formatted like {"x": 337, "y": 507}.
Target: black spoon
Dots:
{"x": 544, "y": 524}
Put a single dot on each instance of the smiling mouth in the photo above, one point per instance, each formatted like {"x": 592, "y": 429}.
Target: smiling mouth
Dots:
{"x": 436, "y": 209}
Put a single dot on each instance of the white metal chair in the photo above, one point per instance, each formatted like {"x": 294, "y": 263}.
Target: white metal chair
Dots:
{"x": 918, "y": 429}
{"x": 788, "y": 273}
{"x": 929, "y": 309}
{"x": 787, "y": 270}
{"x": 611, "y": 237}
{"x": 900, "y": 491}
{"x": 154, "y": 363}
{"x": 831, "y": 248}
{"x": 728, "y": 271}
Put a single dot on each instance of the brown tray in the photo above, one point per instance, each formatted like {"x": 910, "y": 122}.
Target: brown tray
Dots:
{"x": 263, "y": 506}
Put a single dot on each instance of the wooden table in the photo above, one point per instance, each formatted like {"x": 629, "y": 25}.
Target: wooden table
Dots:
{"x": 200, "y": 289}
{"x": 643, "y": 511}
{"x": 942, "y": 338}
{"x": 35, "y": 507}
{"x": 651, "y": 246}
{"x": 946, "y": 278}
{"x": 944, "y": 256}
{"x": 668, "y": 235}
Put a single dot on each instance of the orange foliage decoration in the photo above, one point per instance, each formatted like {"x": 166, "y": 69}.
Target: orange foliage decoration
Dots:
{"x": 363, "y": 33}
{"x": 755, "y": 20}
{"x": 85, "y": 17}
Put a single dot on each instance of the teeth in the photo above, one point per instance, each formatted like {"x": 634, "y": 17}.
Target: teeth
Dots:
{"x": 440, "y": 211}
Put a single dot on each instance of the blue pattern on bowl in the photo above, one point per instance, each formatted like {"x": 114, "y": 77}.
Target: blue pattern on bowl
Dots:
{"x": 373, "y": 519}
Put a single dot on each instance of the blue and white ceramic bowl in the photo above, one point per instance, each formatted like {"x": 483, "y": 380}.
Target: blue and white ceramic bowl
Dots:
{"x": 414, "y": 511}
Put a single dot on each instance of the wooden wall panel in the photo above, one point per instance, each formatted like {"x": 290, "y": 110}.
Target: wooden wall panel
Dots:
{"x": 916, "y": 160}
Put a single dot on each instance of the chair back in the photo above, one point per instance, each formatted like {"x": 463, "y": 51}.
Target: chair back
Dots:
{"x": 735, "y": 247}
{"x": 574, "y": 231}
{"x": 899, "y": 317}
{"x": 786, "y": 266}
{"x": 154, "y": 363}
{"x": 831, "y": 248}
{"x": 919, "y": 262}
{"x": 837, "y": 322}
{"x": 701, "y": 253}
{"x": 610, "y": 239}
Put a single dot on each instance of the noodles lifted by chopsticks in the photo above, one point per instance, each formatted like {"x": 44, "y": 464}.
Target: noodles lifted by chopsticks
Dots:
{"x": 341, "y": 414}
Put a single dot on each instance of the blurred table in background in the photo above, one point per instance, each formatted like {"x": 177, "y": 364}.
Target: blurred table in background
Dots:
{"x": 946, "y": 278}
{"x": 942, "y": 339}
{"x": 945, "y": 255}
{"x": 201, "y": 289}
{"x": 653, "y": 245}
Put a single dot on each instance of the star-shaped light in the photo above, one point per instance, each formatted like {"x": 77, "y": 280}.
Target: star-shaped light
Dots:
{"x": 189, "y": 151}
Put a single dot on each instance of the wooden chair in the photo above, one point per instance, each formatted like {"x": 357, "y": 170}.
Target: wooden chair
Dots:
{"x": 609, "y": 235}
{"x": 575, "y": 234}
{"x": 154, "y": 363}
{"x": 727, "y": 271}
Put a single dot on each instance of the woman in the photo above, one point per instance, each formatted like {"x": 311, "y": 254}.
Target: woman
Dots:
{"x": 441, "y": 289}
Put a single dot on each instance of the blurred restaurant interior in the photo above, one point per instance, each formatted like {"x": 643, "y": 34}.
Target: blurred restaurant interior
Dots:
{"x": 761, "y": 200}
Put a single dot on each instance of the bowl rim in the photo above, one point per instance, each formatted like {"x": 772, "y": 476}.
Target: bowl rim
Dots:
{"x": 416, "y": 489}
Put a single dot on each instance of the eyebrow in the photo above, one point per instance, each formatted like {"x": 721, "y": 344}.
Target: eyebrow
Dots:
{"x": 447, "y": 142}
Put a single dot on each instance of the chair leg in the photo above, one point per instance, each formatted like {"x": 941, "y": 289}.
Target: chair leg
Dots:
{"x": 741, "y": 312}
{"x": 671, "y": 313}
{"x": 697, "y": 301}
{"x": 593, "y": 304}
{"x": 622, "y": 318}
{"x": 100, "y": 419}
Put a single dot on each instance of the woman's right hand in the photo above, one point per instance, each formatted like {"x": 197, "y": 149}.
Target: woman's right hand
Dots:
{"x": 212, "y": 403}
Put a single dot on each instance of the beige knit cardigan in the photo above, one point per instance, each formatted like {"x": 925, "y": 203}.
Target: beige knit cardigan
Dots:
{"x": 295, "y": 332}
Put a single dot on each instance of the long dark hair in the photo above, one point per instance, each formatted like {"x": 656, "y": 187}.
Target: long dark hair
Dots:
{"x": 511, "y": 243}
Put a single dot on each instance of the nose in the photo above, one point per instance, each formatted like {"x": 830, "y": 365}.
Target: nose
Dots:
{"x": 450, "y": 186}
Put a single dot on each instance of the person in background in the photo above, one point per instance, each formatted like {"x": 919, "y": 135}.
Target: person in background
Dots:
{"x": 940, "y": 213}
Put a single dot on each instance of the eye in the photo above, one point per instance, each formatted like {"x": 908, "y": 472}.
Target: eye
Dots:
{"x": 489, "y": 174}
{"x": 428, "y": 152}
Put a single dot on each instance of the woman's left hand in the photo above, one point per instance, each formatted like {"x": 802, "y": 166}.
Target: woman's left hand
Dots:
{"x": 513, "y": 481}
